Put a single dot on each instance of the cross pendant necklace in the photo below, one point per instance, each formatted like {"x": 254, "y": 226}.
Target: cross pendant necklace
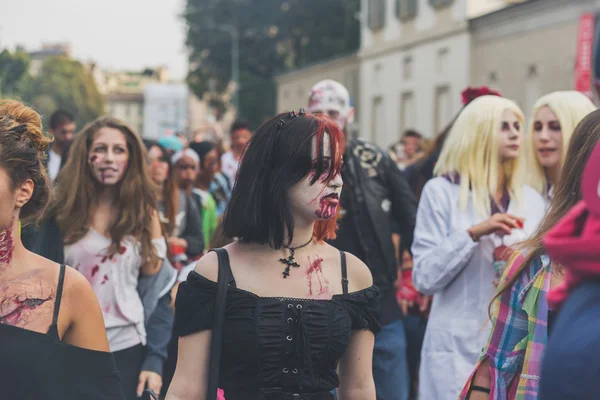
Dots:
{"x": 291, "y": 260}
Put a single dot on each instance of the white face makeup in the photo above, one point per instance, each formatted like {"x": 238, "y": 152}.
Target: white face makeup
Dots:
{"x": 509, "y": 137}
{"x": 108, "y": 156}
{"x": 340, "y": 118}
{"x": 319, "y": 201}
{"x": 547, "y": 138}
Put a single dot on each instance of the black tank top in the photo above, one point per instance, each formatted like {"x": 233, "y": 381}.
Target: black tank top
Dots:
{"x": 36, "y": 366}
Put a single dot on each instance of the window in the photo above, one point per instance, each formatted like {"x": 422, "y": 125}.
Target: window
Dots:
{"x": 407, "y": 111}
{"x": 376, "y": 18}
{"x": 406, "y": 9}
{"x": 532, "y": 88}
{"x": 443, "y": 107}
{"x": 492, "y": 78}
{"x": 407, "y": 64}
{"x": 377, "y": 120}
{"x": 352, "y": 83}
{"x": 440, "y": 3}
{"x": 442, "y": 61}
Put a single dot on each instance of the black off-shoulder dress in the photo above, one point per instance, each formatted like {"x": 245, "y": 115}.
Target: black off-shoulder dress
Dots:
{"x": 277, "y": 348}
{"x": 37, "y": 366}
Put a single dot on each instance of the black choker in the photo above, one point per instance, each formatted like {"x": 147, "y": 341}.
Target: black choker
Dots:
{"x": 291, "y": 260}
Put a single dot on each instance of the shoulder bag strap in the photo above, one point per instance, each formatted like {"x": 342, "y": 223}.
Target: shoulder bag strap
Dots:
{"x": 344, "y": 273}
{"x": 218, "y": 320}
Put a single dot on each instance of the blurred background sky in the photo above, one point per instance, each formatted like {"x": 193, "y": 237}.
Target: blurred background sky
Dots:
{"x": 117, "y": 34}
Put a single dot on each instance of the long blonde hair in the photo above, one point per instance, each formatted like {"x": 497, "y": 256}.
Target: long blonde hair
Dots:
{"x": 570, "y": 107}
{"x": 471, "y": 152}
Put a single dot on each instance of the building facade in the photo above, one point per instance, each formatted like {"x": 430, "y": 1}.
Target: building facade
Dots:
{"x": 128, "y": 107}
{"x": 165, "y": 109}
{"x": 528, "y": 49}
{"x": 293, "y": 88}
{"x": 414, "y": 64}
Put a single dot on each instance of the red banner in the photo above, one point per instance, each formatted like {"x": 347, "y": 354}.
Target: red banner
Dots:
{"x": 585, "y": 46}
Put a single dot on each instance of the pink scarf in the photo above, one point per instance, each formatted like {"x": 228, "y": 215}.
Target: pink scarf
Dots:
{"x": 575, "y": 241}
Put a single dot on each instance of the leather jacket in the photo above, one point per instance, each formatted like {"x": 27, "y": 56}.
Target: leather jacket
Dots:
{"x": 378, "y": 194}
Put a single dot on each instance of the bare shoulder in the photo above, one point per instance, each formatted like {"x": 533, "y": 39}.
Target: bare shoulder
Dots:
{"x": 208, "y": 266}
{"x": 359, "y": 275}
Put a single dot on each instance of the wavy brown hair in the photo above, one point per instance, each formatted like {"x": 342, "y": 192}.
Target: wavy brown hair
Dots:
{"x": 22, "y": 152}
{"x": 77, "y": 192}
{"x": 567, "y": 193}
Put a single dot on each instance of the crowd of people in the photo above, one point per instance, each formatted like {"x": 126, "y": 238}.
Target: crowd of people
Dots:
{"x": 438, "y": 270}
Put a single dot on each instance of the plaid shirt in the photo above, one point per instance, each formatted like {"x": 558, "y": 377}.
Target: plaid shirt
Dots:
{"x": 520, "y": 334}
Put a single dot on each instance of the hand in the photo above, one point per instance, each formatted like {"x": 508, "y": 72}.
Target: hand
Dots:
{"x": 150, "y": 380}
{"x": 424, "y": 305}
{"x": 500, "y": 224}
{"x": 407, "y": 295}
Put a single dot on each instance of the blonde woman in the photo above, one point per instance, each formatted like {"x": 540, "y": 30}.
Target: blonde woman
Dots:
{"x": 554, "y": 119}
{"x": 475, "y": 207}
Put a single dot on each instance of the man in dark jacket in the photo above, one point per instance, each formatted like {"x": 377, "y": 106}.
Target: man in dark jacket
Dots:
{"x": 375, "y": 194}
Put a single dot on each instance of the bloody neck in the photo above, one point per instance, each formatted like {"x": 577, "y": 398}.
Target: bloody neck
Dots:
{"x": 7, "y": 245}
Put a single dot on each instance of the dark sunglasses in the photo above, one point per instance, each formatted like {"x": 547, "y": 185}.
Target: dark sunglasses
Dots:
{"x": 185, "y": 167}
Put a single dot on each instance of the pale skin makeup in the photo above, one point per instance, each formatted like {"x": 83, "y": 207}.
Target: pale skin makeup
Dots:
{"x": 509, "y": 139}
{"x": 318, "y": 277}
{"x": 108, "y": 156}
{"x": 321, "y": 199}
{"x": 548, "y": 142}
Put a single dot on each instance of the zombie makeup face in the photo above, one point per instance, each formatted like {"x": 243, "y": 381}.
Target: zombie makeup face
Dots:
{"x": 340, "y": 118}
{"x": 509, "y": 136}
{"x": 318, "y": 201}
{"x": 108, "y": 156}
{"x": 547, "y": 138}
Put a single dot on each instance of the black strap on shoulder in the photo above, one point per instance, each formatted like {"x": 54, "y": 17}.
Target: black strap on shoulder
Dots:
{"x": 59, "y": 290}
{"x": 218, "y": 322}
{"x": 344, "y": 273}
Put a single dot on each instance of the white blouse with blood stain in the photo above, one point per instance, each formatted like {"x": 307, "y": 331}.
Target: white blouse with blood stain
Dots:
{"x": 114, "y": 280}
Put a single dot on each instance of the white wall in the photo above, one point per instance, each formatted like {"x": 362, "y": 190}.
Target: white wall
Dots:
{"x": 165, "y": 107}
{"x": 437, "y": 64}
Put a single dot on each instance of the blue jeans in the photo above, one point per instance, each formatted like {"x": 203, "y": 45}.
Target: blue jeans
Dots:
{"x": 390, "y": 369}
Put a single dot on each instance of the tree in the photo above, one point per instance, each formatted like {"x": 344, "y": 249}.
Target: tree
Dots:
{"x": 275, "y": 36}
{"x": 67, "y": 84}
{"x": 13, "y": 72}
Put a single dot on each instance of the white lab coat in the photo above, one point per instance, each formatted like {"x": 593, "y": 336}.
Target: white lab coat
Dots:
{"x": 459, "y": 274}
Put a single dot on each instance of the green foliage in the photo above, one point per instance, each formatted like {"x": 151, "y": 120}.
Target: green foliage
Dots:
{"x": 275, "y": 36}
{"x": 13, "y": 72}
{"x": 67, "y": 84}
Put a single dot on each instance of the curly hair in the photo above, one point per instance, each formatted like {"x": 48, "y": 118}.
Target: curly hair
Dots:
{"x": 23, "y": 148}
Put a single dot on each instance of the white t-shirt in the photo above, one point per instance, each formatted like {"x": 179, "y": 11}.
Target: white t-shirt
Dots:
{"x": 114, "y": 281}
{"x": 229, "y": 167}
{"x": 54, "y": 160}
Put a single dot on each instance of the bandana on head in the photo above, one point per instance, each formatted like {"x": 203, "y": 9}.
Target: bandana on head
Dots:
{"x": 185, "y": 153}
{"x": 575, "y": 241}
{"x": 329, "y": 95}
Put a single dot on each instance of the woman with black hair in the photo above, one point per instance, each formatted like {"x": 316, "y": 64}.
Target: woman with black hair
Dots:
{"x": 298, "y": 310}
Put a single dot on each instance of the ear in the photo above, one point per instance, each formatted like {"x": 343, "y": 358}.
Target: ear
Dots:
{"x": 25, "y": 191}
{"x": 350, "y": 116}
